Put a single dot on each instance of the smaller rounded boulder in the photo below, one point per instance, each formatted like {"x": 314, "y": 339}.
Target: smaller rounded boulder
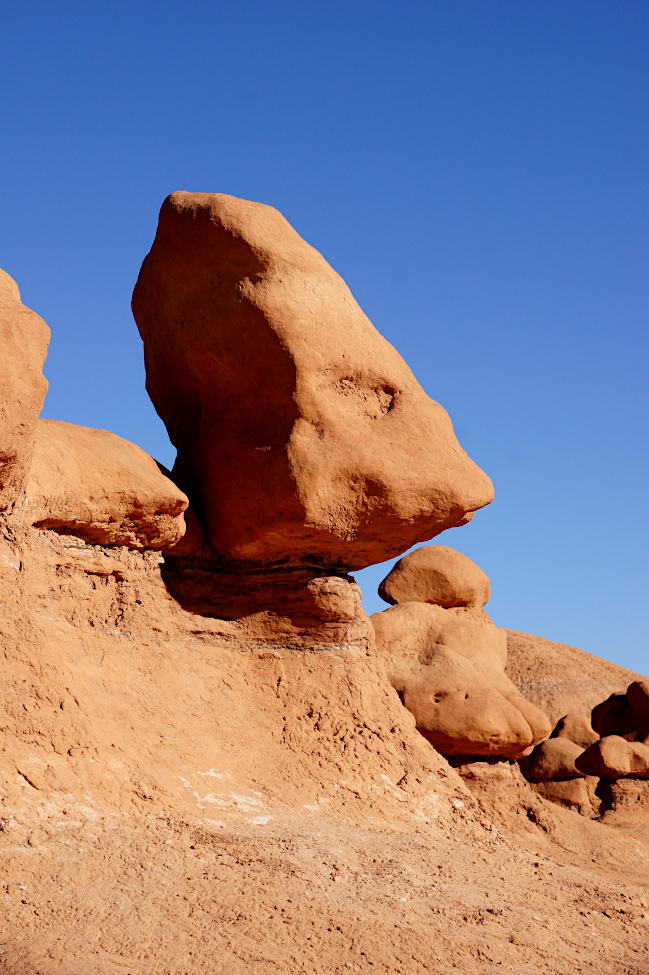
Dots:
{"x": 613, "y": 757}
{"x": 436, "y": 574}
{"x": 553, "y": 759}
{"x": 576, "y": 728}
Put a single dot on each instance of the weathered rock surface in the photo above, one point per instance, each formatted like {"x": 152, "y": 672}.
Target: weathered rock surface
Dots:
{"x": 553, "y": 759}
{"x": 577, "y": 728}
{"x": 436, "y": 574}
{"x": 560, "y": 679}
{"x": 637, "y": 695}
{"x": 613, "y": 717}
{"x": 626, "y": 805}
{"x": 302, "y": 435}
{"x": 177, "y": 795}
{"x": 448, "y": 667}
{"x": 24, "y": 338}
{"x": 614, "y": 757}
{"x": 101, "y": 488}
{"x": 571, "y": 793}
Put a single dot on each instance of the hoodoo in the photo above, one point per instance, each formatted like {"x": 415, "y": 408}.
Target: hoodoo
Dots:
{"x": 446, "y": 659}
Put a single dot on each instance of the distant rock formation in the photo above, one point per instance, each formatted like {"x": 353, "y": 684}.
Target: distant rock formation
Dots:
{"x": 303, "y": 437}
{"x": 447, "y": 661}
{"x": 560, "y": 679}
{"x": 24, "y": 338}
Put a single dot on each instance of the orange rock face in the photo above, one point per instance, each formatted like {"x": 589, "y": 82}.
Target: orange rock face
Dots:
{"x": 447, "y": 664}
{"x": 576, "y": 728}
{"x": 24, "y": 338}
{"x": 303, "y": 437}
{"x": 436, "y": 574}
{"x": 99, "y": 487}
{"x": 614, "y": 757}
{"x": 553, "y": 759}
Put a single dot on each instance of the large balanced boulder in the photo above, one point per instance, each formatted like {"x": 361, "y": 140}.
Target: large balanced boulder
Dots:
{"x": 436, "y": 574}
{"x": 24, "y": 338}
{"x": 447, "y": 665}
{"x": 99, "y": 487}
{"x": 303, "y": 437}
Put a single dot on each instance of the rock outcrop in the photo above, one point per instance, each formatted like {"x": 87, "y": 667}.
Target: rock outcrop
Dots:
{"x": 303, "y": 437}
{"x": 101, "y": 488}
{"x": 625, "y": 715}
{"x": 553, "y": 759}
{"x": 614, "y": 757}
{"x": 203, "y": 765}
{"x": 436, "y": 574}
{"x": 637, "y": 694}
{"x": 447, "y": 664}
{"x": 24, "y": 338}
{"x": 576, "y": 728}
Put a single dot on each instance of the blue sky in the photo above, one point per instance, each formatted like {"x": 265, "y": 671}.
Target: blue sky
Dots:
{"x": 476, "y": 171}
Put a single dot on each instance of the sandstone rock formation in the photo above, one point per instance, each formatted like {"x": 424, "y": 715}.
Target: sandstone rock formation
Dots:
{"x": 637, "y": 695}
{"x": 303, "y": 437}
{"x": 203, "y": 767}
{"x": 560, "y": 679}
{"x": 626, "y": 715}
{"x": 24, "y": 338}
{"x": 626, "y": 805}
{"x": 553, "y": 774}
{"x": 447, "y": 665}
{"x": 553, "y": 759}
{"x": 577, "y": 728}
{"x": 99, "y": 487}
{"x": 574, "y": 794}
{"x": 614, "y": 757}
{"x": 436, "y": 574}
{"x": 613, "y": 717}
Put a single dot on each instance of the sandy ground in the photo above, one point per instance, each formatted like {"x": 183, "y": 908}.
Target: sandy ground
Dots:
{"x": 175, "y": 800}
{"x": 145, "y": 895}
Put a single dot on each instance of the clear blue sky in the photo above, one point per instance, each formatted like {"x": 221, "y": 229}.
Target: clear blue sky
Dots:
{"x": 476, "y": 171}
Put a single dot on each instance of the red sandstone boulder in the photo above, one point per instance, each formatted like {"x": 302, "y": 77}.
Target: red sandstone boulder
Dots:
{"x": 576, "y": 728}
{"x": 99, "y": 487}
{"x": 24, "y": 338}
{"x": 447, "y": 664}
{"x": 572, "y": 793}
{"x": 637, "y": 696}
{"x": 459, "y": 713}
{"x": 614, "y": 717}
{"x": 553, "y": 759}
{"x": 436, "y": 574}
{"x": 303, "y": 437}
{"x": 614, "y": 757}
